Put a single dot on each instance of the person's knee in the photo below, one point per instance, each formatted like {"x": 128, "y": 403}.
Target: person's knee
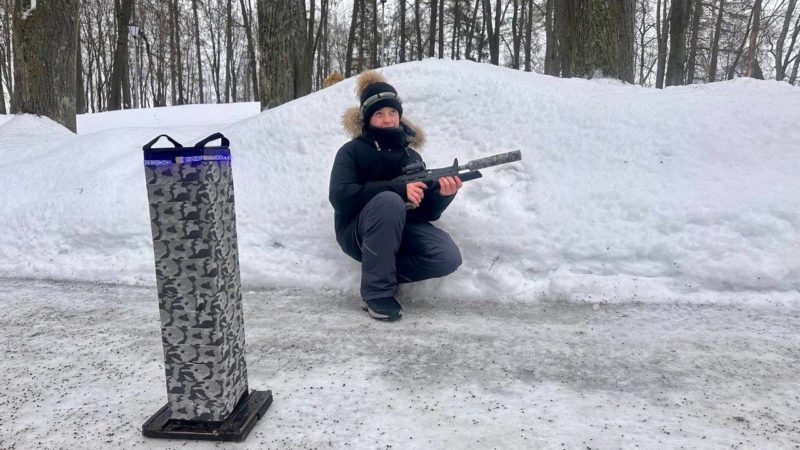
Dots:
{"x": 388, "y": 203}
{"x": 390, "y": 198}
{"x": 384, "y": 215}
{"x": 451, "y": 260}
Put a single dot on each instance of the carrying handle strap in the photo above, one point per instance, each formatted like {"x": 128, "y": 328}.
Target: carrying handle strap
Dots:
{"x": 149, "y": 145}
{"x": 213, "y": 137}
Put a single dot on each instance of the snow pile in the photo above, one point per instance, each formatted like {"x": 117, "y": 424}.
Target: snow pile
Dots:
{"x": 624, "y": 193}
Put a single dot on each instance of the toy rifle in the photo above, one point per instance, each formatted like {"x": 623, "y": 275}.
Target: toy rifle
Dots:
{"x": 416, "y": 171}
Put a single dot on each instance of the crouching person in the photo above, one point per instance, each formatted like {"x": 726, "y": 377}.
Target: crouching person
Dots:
{"x": 373, "y": 225}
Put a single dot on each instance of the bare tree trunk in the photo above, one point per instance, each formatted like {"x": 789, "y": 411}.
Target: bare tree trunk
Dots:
{"x": 2, "y": 93}
{"x": 528, "y": 9}
{"x": 373, "y": 55}
{"x": 494, "y": 46}
{"x": 198, "y": 60}
{"x": 493, "y": 29}
{"x": 234, "y": 81}
{"x": 122, "y": 9}
{"x": 157, "y": 78}
{"x": 80, "y": 100}
{"x": 179, "y": 61}
{"x": 712, "y": 69}
{"x": 662, "y": 31}
{"x": 550, "y": 61}
{"x": 789, "y": 58}
{"x": 102, "y": 68}
{"x": 676, "y": 64}
{"x": 315, "y": 54}
{"x": 247, "y": 12}
{"x": 94, "y": 60}
{"x": 361, "y": 36}
{"x": 280, "y": 28}
{"x": 565, "y": 25}
{"x": 470, "y": 35}
{"x": 418, "y": 25}
{"x": 326, "y": 47}
{"x": 598, "y": 36}
{"x": 228, "y": 49}
{"x": 403, "y": 31}
{"x": 793, "y": 77}
{"x": 348, "y": 65}
{"x": 732, "y": 67}
{"x": 6, "y": 53}
{"x": 432, "y": 29}
{"x": 482, "y": 39}
{"x": 46, "y": 36}
{"x": 752, "y": 55}
{"x": 173, "y": 77}
{"x": 316, "y": 46}
{"x": 780, "y": 65}
{"x": 642, "y": 33}
{"x": 455, "y": 43}
{"x": 515, "y": 35}
{"x": 305, "y": 59}
{"x": 216, "y": 52}
{"x": 697, "y": 12}
{"x": 441, "y": 29}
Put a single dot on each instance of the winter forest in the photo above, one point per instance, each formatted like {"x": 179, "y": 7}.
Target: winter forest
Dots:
{"x": 147, "y": 53}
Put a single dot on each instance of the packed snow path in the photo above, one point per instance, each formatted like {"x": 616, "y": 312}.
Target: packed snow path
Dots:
{"x": 82, "y": 368}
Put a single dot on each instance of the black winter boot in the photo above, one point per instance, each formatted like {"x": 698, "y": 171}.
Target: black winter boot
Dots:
{"x": 385, "y": 308}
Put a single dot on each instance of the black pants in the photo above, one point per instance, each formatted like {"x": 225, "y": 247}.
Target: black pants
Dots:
{"x": 392, "y": 251}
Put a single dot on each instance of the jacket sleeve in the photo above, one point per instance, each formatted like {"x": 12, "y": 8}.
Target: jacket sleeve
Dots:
{"x": 346, "y": 194}
{"x": 433, "y": 204}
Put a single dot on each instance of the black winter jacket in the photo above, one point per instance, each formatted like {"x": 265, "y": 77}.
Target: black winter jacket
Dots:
{"x": 362, "y": 169}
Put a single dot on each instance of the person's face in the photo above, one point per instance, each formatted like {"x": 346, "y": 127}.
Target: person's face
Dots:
{"x": 386, "y": 117}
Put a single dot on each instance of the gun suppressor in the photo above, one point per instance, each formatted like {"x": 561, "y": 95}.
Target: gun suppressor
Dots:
{"x": 494, "y": 160}
{"x": 190, "y": 192}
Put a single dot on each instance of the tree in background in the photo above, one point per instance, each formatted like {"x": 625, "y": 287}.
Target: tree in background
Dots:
{"x": 679, "y": 19}
{"x": 712, "y": 70}
{"x": 781, "y": 63}
{"x": 45, "y": 56}
{"x": 120, "y": 84}
{"x": 662, "y": 36}
{"x": 280, "y": 41}
{"x": 596, "y": 36}
{"x": 697, "y": 14}
{"x": 753, "y": 69}
{"x": 190, "y": 51}
{"x": 198, "y": 58}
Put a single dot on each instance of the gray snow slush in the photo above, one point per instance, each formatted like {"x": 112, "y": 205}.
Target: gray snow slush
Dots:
{"x": 82, "y": 367}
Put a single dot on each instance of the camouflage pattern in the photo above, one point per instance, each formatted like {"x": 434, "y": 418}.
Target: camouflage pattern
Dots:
{"x": 197, "y": 273}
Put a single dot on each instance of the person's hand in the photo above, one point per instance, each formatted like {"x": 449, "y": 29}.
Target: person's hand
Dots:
{"x": 415, "y": 192}
{"x": 449, "y": 185}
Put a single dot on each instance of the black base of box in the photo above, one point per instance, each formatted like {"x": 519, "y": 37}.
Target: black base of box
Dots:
{"x": 235, "y": 428}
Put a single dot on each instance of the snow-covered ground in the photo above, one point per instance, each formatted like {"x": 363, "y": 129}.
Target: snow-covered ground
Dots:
{"x": 634, "y": 281}
{"x": 624, "y": 193}
{"x": 85, "y": 371}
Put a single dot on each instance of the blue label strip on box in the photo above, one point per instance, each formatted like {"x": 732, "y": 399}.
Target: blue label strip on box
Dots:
{"x": 163, "y": 157}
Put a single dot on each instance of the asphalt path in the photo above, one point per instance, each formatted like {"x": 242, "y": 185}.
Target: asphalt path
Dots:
{"x": 82, "y": 367}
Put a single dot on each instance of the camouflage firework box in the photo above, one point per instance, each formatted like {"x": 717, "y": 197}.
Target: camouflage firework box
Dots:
{"x": 190, "y": 193}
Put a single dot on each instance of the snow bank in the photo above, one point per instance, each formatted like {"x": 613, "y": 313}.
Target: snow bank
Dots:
{"x": 624, "y": 193}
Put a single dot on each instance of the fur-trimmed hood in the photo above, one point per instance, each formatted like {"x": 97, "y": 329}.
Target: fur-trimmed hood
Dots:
{"x": 354, "y": 122}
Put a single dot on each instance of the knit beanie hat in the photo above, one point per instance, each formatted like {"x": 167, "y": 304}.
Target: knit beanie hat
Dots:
{"x": 377, "y": 95}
